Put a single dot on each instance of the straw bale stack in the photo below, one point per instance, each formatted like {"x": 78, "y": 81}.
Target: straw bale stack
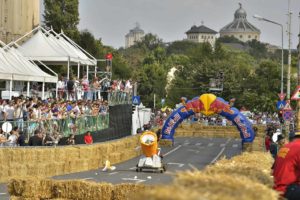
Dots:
{"x": 223, "y": 186}
{"x": 126, "y": 191}
{"x": 165, "y": 143}
{"x": 255, "y": 173}
{"x": 171, "y": 193}
{"x": 60, "y": 160}
{"x": 51, "y": 189}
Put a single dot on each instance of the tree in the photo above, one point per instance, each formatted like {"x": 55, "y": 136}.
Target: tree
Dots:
{"x": 149, "y": 42}
{"x": 62, "y": 15}
{"x": 151, "y": 80}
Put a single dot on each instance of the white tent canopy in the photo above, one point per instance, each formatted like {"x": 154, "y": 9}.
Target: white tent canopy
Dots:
{"x": 52, "y": 48}
{"x": 13, "y": 66}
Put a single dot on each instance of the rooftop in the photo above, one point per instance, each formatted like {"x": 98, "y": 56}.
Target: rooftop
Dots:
{"x": 201, "y": 29}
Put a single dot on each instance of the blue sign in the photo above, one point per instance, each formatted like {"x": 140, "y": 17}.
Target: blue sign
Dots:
{"x": 287, "y": 115}
{"x": 280, "y": 105}
{"x": 136, "y": 100}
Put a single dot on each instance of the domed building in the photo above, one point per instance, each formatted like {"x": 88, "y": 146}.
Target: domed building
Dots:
{"x": 134, "y": 35}
{"x": 240, "y": 28}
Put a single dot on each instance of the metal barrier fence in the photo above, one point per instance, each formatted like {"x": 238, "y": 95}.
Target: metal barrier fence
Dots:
{"x": 64, "y": 126}
{"x": 118, "y": 97}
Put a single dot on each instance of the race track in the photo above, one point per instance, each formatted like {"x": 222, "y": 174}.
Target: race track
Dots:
{"x": 186, "y": 154}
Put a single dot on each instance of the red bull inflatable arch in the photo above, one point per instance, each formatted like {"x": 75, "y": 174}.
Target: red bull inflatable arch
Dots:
{"x": 208, "y": 104}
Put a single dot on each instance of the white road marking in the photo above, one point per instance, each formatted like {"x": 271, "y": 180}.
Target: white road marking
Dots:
{"x": 113, "y": 173}
{"x": 186, "y": 143}
{"x": 217, "y": 157}
{"x": 222, "y": 145}
{"x": 179, "y": 164}
{"x": 194, "y": 150}
{"x": 132, "y": 168}
{"x": 198, "y": 144}
{"x": 90, "y": 178}
{"x": 235, "y": 145}
{"x": 2, "y": 193}
{"x": 192, "y": 166}
{"x": 210, "y": 144}
{"x": 172, "y": 150}
{"x": 134, "y": 179}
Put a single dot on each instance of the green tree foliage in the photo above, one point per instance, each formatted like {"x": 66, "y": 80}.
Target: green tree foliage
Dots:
{"x": 251, "y": 75}
{"x": 151, "y": 80}
{"x": 62, "y": 15}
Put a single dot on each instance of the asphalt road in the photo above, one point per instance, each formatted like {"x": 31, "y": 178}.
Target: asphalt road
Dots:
{"x": 186, "y": 154}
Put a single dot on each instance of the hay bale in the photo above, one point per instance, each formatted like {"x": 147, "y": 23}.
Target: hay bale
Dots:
{"x": 225, "y": 186}
{"x": 50, "y": 189}
{"x": 170, "y": 193}
{"x": 127, "y": 191}
{"x": 81, "y": 190}
{"x": 165, "y": 143}
{"x": 240, "y": 169}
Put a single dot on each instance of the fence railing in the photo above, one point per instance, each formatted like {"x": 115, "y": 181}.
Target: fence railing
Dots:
{"x": 65, "y": 126}
{"x": 119, "y": 97}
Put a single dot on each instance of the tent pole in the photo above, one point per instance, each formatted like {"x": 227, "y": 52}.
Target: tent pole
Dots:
{"x": 28, "y": 88}
{"x": 10, "y": 87}
{"x": 87, "y": 72}
{"x": 95, "y": 71}
{"x": 56, "y": 90}
{"x": 68, "y": 75}
{"x": 43, "y": 90}
{"x": 78, "y": 70}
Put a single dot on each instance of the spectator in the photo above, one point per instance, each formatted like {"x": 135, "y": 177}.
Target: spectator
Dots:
{"x": 71, "y": 140}
{"x": 268, "y": 141}
{"x": 88, "y": 139}
{"x": 21, "y": 139}
{"x": 12, "y": 139}
{"x": 71, "y": 88}
{"x": 286, "y": 170}
{"x": 9, "y": 111}
{"x": 3, "y": 138}
{"x": 48, "y": 140}
{"x": 86, "y": 87}
{"x": 36, "y": 140}
{"x": 56, "y": 138}
{"x": 61, "y": 87}
{"x": 276, "y": 145}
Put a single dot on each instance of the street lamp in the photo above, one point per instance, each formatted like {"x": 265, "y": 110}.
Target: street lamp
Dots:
{"x": 267, "y": 20}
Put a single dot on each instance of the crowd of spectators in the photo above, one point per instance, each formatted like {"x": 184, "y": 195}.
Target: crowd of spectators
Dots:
{"x": 34, "y": 109}
{"x": 97, "y": 88}
{"x": 32, "y": 113}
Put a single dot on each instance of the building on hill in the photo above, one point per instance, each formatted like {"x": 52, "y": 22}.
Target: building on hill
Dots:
{"x": 134, "y": 35}
{"x": 240, "y": 28}
{"x": 202, "y": 34}
{"x": 17, "y": 18}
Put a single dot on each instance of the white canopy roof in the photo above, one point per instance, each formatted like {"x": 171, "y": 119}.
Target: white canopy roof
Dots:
{"x": 52, "y": 48}
{"x": 14, "y": 66}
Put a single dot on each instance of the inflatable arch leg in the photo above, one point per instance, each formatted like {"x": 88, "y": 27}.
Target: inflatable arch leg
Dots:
{"x": 208, "y": 104}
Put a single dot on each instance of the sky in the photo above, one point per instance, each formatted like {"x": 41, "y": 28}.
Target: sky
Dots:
{"x": 111, "y": 20}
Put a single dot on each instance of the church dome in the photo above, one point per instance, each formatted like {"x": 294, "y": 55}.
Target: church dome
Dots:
{"x": 240, "y": 24}
{"x": 240, "y": 13}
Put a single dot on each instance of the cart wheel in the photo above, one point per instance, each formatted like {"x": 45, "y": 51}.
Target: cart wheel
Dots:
{"x": 161, "y": 171}
{"x": 164, "y": 168}
{"x": 137, "y": 169}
